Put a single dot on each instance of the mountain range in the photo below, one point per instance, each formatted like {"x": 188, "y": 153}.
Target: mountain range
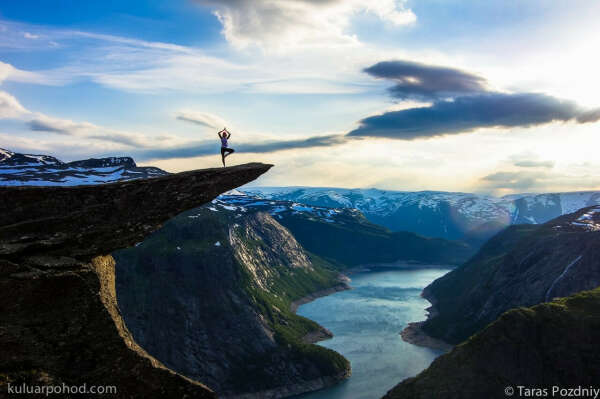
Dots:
{"x": 236, "y": 268}
{"x": 44, "y": 170}
{"x": 455, "y": 216}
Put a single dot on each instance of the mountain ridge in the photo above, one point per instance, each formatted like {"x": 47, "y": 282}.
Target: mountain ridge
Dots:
{"x": 451, "y": 215}
{"x": 521, "y": 266}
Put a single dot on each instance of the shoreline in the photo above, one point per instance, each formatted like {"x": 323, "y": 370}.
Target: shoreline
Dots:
{"x": 322, "y": 333}
{"x": 413, "y": 333}
{"x": 341, "y": 286}
{"x": 398, "y": 265}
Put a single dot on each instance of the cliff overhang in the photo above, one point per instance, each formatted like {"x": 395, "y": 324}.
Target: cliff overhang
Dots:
{"x": 59, "y": 319}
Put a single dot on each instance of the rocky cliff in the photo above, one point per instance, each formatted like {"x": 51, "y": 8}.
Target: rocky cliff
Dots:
{"x": 522, "y": 266}
{"x": 345, "y": 237}
{"x": 549, "y": 345}
{"x": 59, "y": 319}
{"x": 209, "y": 295}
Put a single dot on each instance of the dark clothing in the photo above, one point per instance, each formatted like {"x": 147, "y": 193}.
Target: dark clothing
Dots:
{"x": 224, "y": 152}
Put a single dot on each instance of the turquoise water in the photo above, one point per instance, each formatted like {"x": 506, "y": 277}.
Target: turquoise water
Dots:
{"x": 366, "y": 322}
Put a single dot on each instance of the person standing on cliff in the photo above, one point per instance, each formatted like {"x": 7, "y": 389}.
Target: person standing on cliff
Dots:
{"x": 224, "y": 135}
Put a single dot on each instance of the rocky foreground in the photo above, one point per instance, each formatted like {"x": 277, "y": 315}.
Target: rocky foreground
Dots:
{"x": 59, "y": 319}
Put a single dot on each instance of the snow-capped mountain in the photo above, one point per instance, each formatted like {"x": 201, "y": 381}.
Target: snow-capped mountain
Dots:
{"x": 438, "y": 214}
{"x": 340, "y": 235}
{"x": 241, "y": 204}
{"x": 44, "y": 170}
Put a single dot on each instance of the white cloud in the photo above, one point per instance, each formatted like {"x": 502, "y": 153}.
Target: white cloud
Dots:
{"x": 89, "y": 131}
{"x": 290, "y": 24}
{"x": 28, "y": 35}
{"x": 10, "y": 108}
{"x": 8, "y": 72}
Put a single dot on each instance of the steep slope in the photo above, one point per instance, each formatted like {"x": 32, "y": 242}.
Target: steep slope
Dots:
{"x": 44, "y": 170}
{"x": 345, "y": 237}
{"x": 522, "y": 266}
{"x": 209, "y": 295}
{"x": 456, "y": 216}
{"x": 548, "y": 345}
{"x": 59, "y": 319}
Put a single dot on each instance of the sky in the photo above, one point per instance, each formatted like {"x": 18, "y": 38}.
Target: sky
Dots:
{"x": 496, "y": 97}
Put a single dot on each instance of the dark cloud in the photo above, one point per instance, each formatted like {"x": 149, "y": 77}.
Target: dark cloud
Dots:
{"x": 520, "y": 181}
{"x": 195, "y": 121}
{"x": 534, "y": 164}
{"x": 45, "y": 126}
{"x": 589, "y": 116}
{"x": 468, "y": 113}
{"x": 420, "y": 81}
{"x": 212, "y": 147}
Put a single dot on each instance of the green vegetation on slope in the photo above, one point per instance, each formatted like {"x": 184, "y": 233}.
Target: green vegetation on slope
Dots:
{"x": 190, "y": 280}
{"x": 550, "y": 344}
{"x": 452, "y": 291}
{"x": 358, "y": 241}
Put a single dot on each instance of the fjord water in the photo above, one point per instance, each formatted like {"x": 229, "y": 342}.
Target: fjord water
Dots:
{"x": 366, "y": 322}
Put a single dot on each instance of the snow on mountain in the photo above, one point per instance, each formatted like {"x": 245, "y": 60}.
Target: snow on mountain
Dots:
{"x": 240, "y": 203}
{"x": 438, "y": 214}
{"x": 387, "y": 202}
{"x": 44, "y": 170}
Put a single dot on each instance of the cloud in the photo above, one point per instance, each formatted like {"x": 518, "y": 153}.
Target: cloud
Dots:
{"x": 202, "y": 119}
{"x": 534, "y": 164}
{"x": 198, "y": 149}
{"x": 299, "y": 23}
{"x": 465, "y": 114}
{"x": 589, "y": 116}
{"x": 43, "y": 123}
{"x": 519, "y": 181}
{"x": 461, "y": 102}
{"x": 8, "y": 72}
{"x": 28, "y": 35}
{"x": 424, "y": 82}
{"x": 89, "y": 131}
{"x": 10, "y": 108}
{"x": 142, "y": 66}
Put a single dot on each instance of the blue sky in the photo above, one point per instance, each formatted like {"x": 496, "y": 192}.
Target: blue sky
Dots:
{"x": 407, "y": 95}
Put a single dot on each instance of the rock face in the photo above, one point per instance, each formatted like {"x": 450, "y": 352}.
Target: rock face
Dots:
{"x": 522, "y": 266}
{"x": 551, "y": 344}
{"x": 209, "y": 295}
{"x": 59, "y": 319}
{"x": 346, "y": 238}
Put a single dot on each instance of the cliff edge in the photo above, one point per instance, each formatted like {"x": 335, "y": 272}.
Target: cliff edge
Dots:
{"x": 59, "y": 319}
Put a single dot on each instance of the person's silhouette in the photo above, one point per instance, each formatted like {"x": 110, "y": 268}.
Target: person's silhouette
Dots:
{"x": 224, "y": 135}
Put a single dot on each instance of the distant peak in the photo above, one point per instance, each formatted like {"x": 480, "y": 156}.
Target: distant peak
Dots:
{"x": 5, "y": 154}
{"x": 104, "y": 162}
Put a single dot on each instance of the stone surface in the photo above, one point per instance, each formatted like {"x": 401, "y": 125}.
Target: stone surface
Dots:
{"x": 59, "y": 319}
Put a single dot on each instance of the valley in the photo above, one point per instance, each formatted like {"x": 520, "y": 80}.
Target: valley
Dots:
{"x": 246, "y": 296}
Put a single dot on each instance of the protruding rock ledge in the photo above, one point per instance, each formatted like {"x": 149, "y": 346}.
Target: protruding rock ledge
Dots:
{"x": 59, "y": 319}
{"x": 86, "y": 221}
